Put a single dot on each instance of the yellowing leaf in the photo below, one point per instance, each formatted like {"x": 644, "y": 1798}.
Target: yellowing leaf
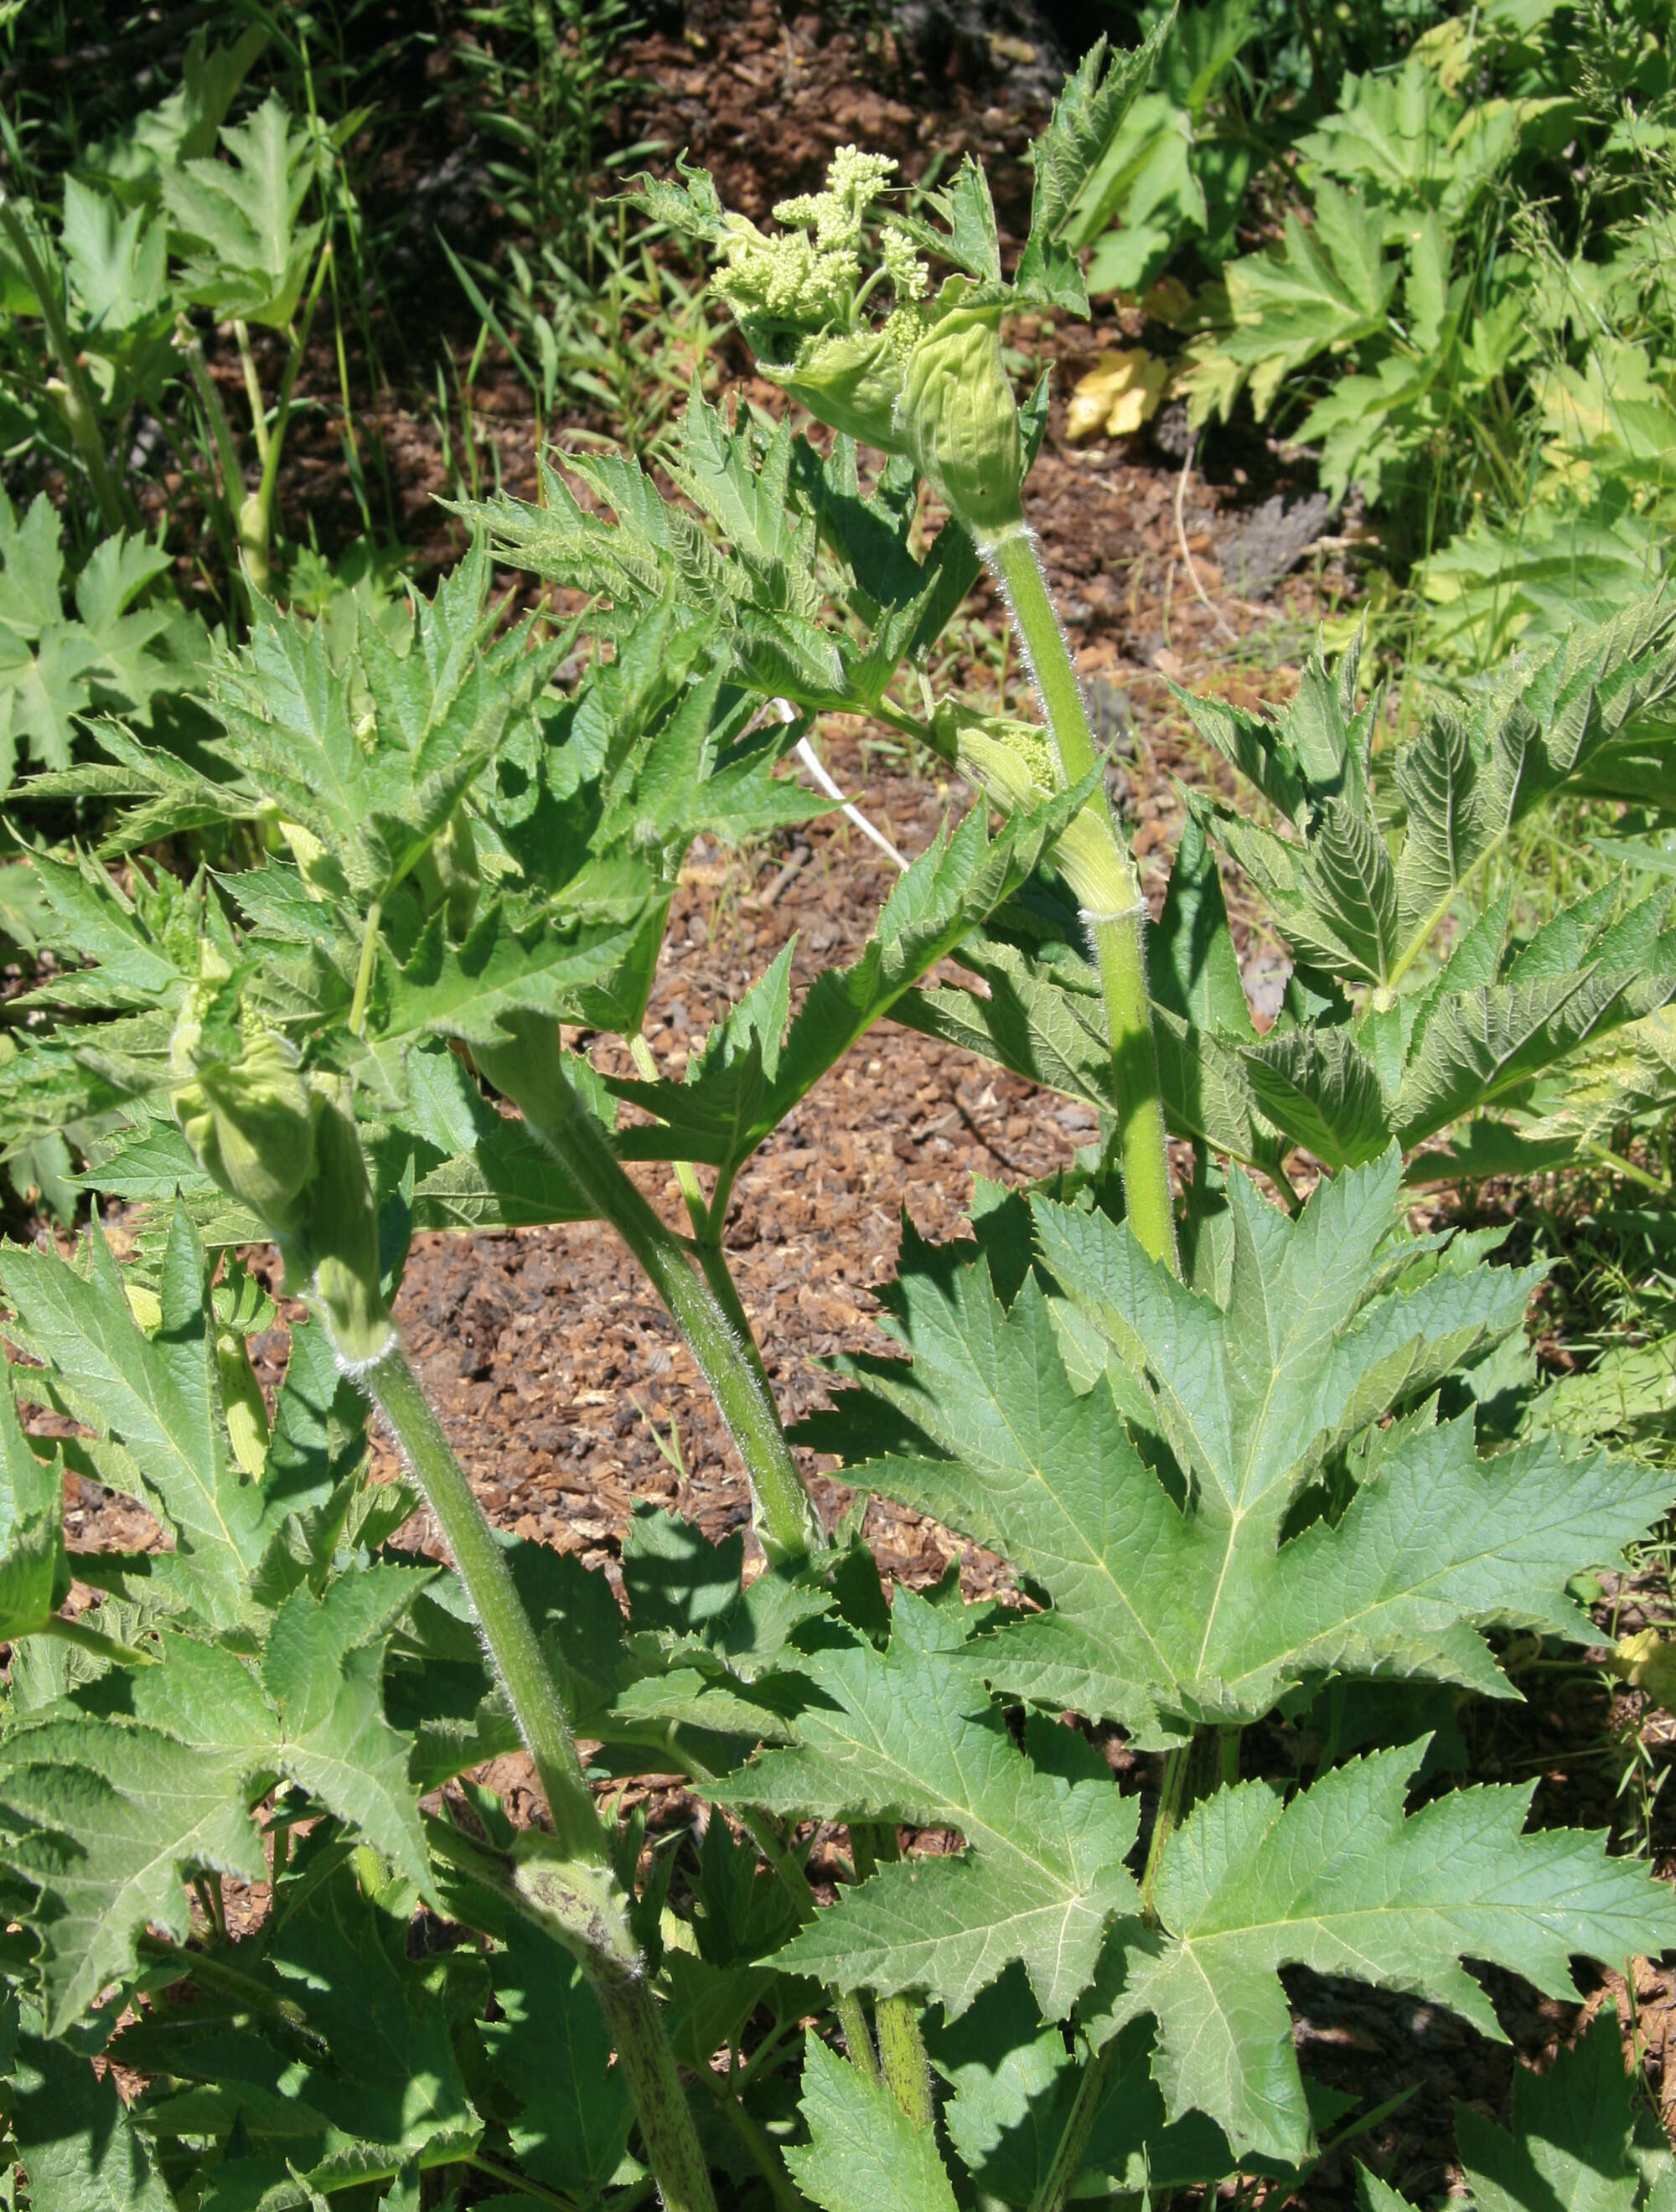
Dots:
{"x": 1123, "y": 390}
{"x": 1648, "y": 1661}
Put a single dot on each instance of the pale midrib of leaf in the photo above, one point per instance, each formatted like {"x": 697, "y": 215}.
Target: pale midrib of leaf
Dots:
{"x": 1095, "y": 1562}
{"x": 876, "y": 1776}
{"x": 1432, "y": 922}
{"x": 1297, "y": 1346}
{"x": 979, "y": 1835}
{"x": 1026, "y": 1462}
{"x": 1397, "y": 1908}
{"x": 1288, "y": 1654}
{"x": 1231, "y": 1552}
{"x": 1446, "y": 800}
{"x": 129, "y": 1904}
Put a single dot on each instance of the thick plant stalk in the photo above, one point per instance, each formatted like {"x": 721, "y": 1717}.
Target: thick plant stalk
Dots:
{"x": 674, "y": 2152}
{"x": 532, "y": 1072}
{"x": 1119, "y": 927}
{"x": 848, "y": 2004}
{"x": 516, "y": 1654}
{"x": 858, "y": 2036}
{"x": 708, "y": 1217}
{"x": 255, "y": 517}
{"x": 901, "y": 2057}
{"x": 575, "y": 1884}
{"x": 901, "y": 2047}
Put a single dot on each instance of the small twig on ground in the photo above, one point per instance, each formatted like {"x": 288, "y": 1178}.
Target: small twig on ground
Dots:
{"x": 787, "y": 874}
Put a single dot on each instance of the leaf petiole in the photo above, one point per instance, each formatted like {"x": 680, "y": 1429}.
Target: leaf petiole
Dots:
{"x": 1119, "y": 934}
{"x": 67, "y": 1630}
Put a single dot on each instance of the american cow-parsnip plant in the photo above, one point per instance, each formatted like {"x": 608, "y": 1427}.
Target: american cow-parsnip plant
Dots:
{"x": 1231, "y": 1454}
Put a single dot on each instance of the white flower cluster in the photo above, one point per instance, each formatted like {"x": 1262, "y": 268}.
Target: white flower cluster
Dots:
{"x": 854, "y": 181}
{"x": 810, "y": 277}
{"x": 788, "y": 279}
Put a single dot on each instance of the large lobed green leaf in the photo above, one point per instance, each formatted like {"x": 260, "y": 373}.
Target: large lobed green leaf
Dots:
{"x": 864, "y": 2154}
{"x": 1583, "y": 2136}
{"x": 1458, "y": 785}
{"x": 1340, "y": 1880}
{"x": 1138, "y": 1448}
{"x": 264, "y": 1663}
{"x": 152, "y": 1401}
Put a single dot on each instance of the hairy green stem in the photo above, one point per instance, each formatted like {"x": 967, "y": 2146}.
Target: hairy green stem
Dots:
{"x": 857, "y": 2035}
{"x": 1120, "y": 932}
{"x": 1177, "y": 1767}
{"x": 538, "y": 2192}
{"x": 901, "y": 2057}
{"x": 204, "y": 1968}
{"x": 673, "y": 2148}
{"x": 566, "y": 1887}
{"x": 513, "y": 1650}
{"x": 76, "y": 1633}
{"x": 363, "y": 974}
{"x": 1619, "y": 1165}
{"x": 901, "y": 2047}
{"x": 686, "y": 1175}
{"x": 256, "y": 514}
{"x": 708, "y": 1217}
{"x": 532, "y": 1072}
{"x": 258, "y": 412}
{"x": 80, "y": 412}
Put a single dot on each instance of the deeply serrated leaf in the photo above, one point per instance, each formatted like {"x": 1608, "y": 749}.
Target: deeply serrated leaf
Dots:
{"x": 78, "y": 2149}
{"x": 107, "y": 1821}
{"x": 157, "y": 1398}
{"x": 1324, "y": 1092}
{"x": 1044, "y": 1019}
{"x": 864, "y": 2154}
{"x": 949, "y": 889}
{"x": 1569, "y": 2144}
{"x": 107, "y": 1818}
{"x": 898, "y": 1735}
{"x": 1486, "y": 1044}
{"x": 462, "y": 991}
{"x": 1340, "y": 1881}
{"x": 1086, "y": 119}
{"x": 552, "y": 2049}
{"x": 1172, "y": 1608}
{"x": 34, "y": 1573}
